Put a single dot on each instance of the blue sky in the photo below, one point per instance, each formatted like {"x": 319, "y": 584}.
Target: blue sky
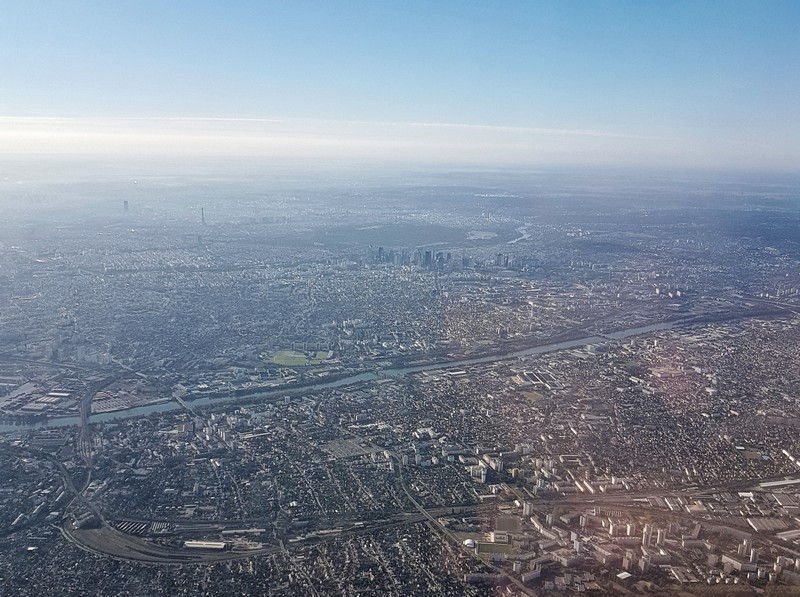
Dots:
{"x": 674, "y": 83}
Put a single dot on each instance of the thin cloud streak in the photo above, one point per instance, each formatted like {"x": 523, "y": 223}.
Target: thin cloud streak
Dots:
{"x": 389, "y": 142}
{"x": 536, "y": 130}
{"x": 443, "y": 125}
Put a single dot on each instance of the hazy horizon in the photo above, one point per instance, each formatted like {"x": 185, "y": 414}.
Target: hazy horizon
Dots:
{"x": 670, "y": 85}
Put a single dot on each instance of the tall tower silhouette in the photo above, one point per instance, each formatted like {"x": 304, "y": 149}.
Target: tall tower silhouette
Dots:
{"x": 202, "y": 216}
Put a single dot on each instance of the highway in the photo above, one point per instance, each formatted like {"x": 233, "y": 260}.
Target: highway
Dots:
{"x": 85, "y": 446}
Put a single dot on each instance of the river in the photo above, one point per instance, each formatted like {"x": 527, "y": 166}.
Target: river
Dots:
{"x": 143, "y": 411}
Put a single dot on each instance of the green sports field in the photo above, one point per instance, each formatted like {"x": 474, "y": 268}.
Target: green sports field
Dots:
{"x": 494, "y": 548}
{"x": 294, "y": 358}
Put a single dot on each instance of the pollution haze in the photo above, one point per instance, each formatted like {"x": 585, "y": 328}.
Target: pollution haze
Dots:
{"x": 452, "y": 298}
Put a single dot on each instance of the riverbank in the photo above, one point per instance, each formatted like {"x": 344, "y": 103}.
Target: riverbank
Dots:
{"x": 563, "y": 342}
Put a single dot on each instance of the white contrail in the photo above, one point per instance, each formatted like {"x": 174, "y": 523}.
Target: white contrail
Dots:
{"x": 437, "y": 125}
